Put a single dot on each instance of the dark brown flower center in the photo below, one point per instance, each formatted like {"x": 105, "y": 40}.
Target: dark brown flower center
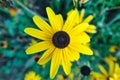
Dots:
{"x": 60, "y": 39}
{"x": 85, "y": 70}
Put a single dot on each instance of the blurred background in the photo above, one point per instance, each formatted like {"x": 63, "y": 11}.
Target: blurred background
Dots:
{"x": 15, "y": 15}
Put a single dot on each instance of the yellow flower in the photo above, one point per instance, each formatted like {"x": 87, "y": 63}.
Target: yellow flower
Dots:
{"x": 4, "y": 44}
{"x": 112, "y": 74}
{"x": 113, "y": 48}
{"x": 60, "y": 77}
{"x": 69, "y": 77}
{"x": 13, "y": 11}
{"x": 32, "y": 76}
{"x": 79, "y": 20}
{"x": 110, "y": 58}
{"x": 61, "y": 41}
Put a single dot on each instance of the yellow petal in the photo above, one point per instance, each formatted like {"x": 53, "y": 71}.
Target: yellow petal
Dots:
{"x": 42, "y": 24}
{"x": 38, "y": 47}
{"x": 73, "y": 55}
{"x": 111, "y": 68}
{"x": 37, "y": 33}
{"x": 81, "y": 48}
{"x": 59, "y": 21}
{"x": 54, "y": 20}
{"x": 117, "y": 68}
{"x": 81, "y": 15}
{"x": 91, "y": 29}
{"x": 85, "y": 50}
{"x": 98, "y": 76}
{"x": 46, "y": 56}
{"x": 69, "y": 13}
{"x": 55, "y": 63}
{"x": 81, "y": 38}
{"x": 79, "y": 28}
{"x": 70, "y": 22}
{"x": 111, "y": 65}
{"x": 66, "y": 63}
{"x": 77, "y": 18}
{"x": 88, "y": 19}
{"x": 102, "y": 69}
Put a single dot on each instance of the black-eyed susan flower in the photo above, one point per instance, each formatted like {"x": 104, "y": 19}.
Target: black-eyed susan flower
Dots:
{"x": 112, "y": 74}
{"x": 62, "y": 42}
{"x": 113, "y": 48}
{"x": 4, "y": 44}
{"x": 63, "y": 77}
{"x": 79, "y": 20}
{"x": 32, "y": 76}
{"x": 13, "y": 11}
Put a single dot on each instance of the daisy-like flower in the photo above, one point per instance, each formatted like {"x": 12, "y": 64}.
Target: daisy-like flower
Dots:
{"x": 62, "y": 77}
{"x": 4, "y": 44}
{"x": 112, "y": 74}
{"x": 32, "y": 76}
{"x": 113, "y": 48}
{"x": 62, "y": 42}
{"x": 79, "y": 20}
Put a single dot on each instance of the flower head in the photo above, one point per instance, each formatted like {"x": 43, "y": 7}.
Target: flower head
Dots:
{"x": 4, "y": 44}
{"x": 113, "y": 48}
{"x": 32, "y": 76}
{"x": 64, "y": 77}
{"x": 62, "y": 42}
{"x": 112, "y": 74}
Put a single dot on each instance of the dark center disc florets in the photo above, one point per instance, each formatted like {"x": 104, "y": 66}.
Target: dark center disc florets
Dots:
{"x": 85, "y": 70}
{"x": 61, "y": 39}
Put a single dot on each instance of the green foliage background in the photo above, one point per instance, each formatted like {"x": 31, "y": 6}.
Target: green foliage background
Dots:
{"x": 14, "y": 63}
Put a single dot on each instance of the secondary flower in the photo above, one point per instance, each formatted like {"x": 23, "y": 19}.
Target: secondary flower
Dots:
{"x": 112, "y": 74}
{"x": 4, "y": 44}
{"x": 113, "y": 48}
{"x": 79, "y": 20}
{"x": 32, "y": 76}
{"x": 63, "y": 77}
{"x": 62, "y": 42}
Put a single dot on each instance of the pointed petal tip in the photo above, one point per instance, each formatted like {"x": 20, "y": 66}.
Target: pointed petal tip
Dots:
{"x": 27, "y": 52}
{"x": 26, "y": 30}
{"x": 39, "y": 62}
{"x": 91, "y": 53}
{"x": 91, "y": 16}
{"x": 35, "y": 17}
{"x": 48, "y": 8}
